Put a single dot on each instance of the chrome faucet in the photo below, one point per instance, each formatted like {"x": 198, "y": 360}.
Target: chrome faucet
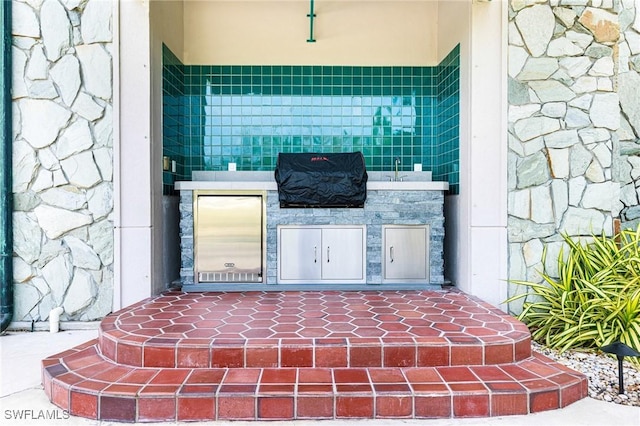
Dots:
{"x": 396, "y": 162}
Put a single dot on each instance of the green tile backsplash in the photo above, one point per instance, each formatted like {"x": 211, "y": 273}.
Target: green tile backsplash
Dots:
{"x": 215, "y": 115}
{"x": 173, "y": 140}
{"x": 446, "y": 140}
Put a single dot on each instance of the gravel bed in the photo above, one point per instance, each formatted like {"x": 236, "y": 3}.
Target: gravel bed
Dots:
{"x": 602, "y": 372}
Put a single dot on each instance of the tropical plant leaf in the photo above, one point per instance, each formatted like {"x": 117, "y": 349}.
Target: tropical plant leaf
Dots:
{"x": 595, "y": 298}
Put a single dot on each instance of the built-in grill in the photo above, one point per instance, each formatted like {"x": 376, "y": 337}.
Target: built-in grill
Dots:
{"x": 321, "y": 179}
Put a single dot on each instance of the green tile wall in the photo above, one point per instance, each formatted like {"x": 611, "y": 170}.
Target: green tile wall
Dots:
{"x": 447, "y": 136}
{"x": 248, "y": 114}
{"x": 172, "y": 121}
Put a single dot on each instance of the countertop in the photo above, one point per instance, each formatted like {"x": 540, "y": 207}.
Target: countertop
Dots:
{"x": 241, "y": 180}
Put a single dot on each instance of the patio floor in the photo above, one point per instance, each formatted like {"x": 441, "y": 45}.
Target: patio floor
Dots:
{"x": 308, "y": 355}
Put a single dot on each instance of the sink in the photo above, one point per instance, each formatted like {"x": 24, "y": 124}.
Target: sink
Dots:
{"x": 402, "y": 176}
{"x": 407, "y": 181}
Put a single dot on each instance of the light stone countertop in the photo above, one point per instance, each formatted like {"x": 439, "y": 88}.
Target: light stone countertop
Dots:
{"x": 239, "y": 180}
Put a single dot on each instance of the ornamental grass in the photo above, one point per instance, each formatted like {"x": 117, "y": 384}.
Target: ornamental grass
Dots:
{"x": 594, "y": 300}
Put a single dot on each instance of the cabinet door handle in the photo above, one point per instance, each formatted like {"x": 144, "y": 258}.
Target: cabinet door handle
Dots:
{"x": 391, "y": 254}
{"x": 315, "y": 254}
{"x": 327, "y": 254}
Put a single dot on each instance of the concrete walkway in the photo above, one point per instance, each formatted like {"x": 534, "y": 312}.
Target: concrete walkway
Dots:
{"x": 23, "y": 402}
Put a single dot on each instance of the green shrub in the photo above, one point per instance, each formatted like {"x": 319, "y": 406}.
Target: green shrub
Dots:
{"x": 594, "y": 300}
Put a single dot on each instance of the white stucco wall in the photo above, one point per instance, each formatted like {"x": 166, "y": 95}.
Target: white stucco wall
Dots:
{"x": 476, "y": 240}
{"x": 487, "y": 156}
{"x": 167, "y": 27}
{"x": 144, "y": 27}
{"x": 349, "y": 32}
{"x": 457, "y": 220}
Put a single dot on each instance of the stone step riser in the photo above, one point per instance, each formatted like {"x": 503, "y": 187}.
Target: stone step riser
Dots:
{"x": 87, "y": 385}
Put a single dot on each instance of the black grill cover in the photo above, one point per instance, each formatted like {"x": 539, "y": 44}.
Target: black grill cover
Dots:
{"x": 321, "y": 180}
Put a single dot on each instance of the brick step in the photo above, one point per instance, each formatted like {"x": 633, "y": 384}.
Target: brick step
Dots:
{"x": 313, "y": 329}
{"x": 89, "y": 385}
{"x": 329, "y": 352}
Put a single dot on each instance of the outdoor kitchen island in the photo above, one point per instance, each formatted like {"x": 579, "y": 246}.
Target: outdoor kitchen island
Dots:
{"x": 399, "y": 218}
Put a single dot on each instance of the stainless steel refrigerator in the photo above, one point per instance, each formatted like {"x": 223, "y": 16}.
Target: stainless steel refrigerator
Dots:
{"x": 229, "y": 237}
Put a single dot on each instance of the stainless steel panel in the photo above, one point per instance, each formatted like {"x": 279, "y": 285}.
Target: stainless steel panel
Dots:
{"x": 405, "y": 253}
{"x": 300, "y": 254}
{"x": 229, "y": 238}
{"x": 343, "y": 254}
{"x": 322, "y": 254}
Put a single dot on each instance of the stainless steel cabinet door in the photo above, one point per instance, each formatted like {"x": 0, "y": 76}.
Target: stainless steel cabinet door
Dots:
{"x": 343, "y": 254}
{"x": 405, "y": 253}
{"x": 323, "y": 254}
{"x": 300, "y": 254}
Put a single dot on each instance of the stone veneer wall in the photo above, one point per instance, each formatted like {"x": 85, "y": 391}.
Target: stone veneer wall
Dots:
{"x": 574, "y": 118}
{"x": 628, "y": 171}
{"x": 381, "y": 207}
{"x": 62, "y": 158}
